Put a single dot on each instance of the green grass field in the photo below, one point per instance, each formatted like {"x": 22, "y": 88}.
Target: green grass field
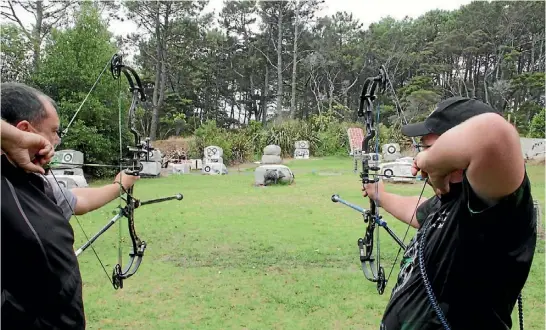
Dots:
{"x": 233, "y": 256}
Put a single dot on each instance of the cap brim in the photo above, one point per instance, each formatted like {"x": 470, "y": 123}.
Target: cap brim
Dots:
{"x": 417, "y": 129}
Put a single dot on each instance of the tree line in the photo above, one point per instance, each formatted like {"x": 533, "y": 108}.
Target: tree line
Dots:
{"x": 271, "y": 61}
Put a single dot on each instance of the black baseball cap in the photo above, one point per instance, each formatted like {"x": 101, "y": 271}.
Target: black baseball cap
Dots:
{"x": 448, "y": 114}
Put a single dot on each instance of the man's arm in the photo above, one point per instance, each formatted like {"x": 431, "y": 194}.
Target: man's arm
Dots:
{"x": 90, "y": 199}
{"x": 402, "y": 207}
{"x": 488, "y": 147}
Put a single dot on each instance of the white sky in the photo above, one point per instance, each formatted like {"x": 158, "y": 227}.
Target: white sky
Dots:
{"x": 367, "y": 11}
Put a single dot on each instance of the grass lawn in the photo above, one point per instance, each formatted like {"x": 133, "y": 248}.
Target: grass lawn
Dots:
{"x": 233, "y": 256}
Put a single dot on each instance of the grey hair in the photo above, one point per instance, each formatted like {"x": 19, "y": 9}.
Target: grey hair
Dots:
{"x": 21, "y": 102}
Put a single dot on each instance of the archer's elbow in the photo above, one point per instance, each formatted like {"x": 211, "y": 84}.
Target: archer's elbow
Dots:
{"x": 501, "y": 141}
{"x": 82, "y": 207}
{"x": 497, "y": 167}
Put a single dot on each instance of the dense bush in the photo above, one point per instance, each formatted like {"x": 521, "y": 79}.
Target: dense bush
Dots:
{"x": 325, "y": 133}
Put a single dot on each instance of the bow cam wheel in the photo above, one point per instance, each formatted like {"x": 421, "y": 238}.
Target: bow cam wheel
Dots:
{"x": 117, "y": 282}
{"x": 381, "y": 281}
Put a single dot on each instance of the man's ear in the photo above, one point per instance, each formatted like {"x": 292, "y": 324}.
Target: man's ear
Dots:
{"x": 24, "y": 125}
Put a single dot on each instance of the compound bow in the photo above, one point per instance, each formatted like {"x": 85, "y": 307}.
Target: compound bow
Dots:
{"x": 139, "y": 151}
{"x": 373, "y": 271}
{"x": 370, "y": 162}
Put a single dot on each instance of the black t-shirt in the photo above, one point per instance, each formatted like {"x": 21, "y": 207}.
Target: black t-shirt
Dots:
{"x": 41, "y": 281}
{"x": 477, "y": 259}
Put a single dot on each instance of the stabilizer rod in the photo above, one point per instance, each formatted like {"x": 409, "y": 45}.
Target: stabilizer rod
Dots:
{"x": 380, "y": 222}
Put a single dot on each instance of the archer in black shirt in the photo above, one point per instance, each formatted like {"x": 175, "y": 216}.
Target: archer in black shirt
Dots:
{"x": 473, "y": 251}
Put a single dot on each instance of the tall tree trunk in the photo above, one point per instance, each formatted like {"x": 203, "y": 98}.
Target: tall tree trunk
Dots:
{"x": 279, "y": 60}
{"x": 265, "y": 94}
{"x": 36, "y": 35}
{"x": 252, "y": 102}
{"x": 160, "y": 77}
{"x": 294, "y": 64}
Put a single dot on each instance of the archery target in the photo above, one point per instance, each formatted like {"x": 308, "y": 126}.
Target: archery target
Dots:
{"x": 214, "y": 169}
{"x": 301, "y": 153}
{"x": 303, "y": 144}
{"x": 391, "y": 148}
{"x": 388, "y": 173}
{"x": 67, "y": 158}
{"x": 213, "y": 152}
{"x": 356, "y": 135}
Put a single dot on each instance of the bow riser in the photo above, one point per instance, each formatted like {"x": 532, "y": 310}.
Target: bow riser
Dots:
{"x": 370, "y": 161}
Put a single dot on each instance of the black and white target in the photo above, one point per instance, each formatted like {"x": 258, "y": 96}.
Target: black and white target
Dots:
{"x": 391, "y": 149}
{"x": 388, "y": 173}
{"x": 211, "y": 152}
{"x": 67, "y": 158}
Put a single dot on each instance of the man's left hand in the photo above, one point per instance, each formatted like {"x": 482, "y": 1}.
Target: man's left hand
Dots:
{"x": 126, "y": 180}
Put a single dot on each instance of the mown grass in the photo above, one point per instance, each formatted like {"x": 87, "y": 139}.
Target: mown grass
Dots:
{"x": 234, "y": 256}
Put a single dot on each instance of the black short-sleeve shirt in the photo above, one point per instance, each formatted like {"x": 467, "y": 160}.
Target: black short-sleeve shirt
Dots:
{"x": 477, "y": 259}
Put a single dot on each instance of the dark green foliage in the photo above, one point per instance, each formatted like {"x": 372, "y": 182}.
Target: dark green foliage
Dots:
{"x": 537, "y": 126}
{"x": 72, "y": 62}
{"x": 327, "y": 136}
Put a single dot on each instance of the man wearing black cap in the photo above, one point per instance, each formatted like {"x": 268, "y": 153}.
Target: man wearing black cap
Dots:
{"x": 476, "y": 235}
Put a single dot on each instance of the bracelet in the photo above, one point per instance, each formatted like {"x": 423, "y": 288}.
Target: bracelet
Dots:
{"x": 122, "y": 187}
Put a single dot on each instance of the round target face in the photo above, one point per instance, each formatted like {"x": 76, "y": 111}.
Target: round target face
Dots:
{"x": 388, "y": 173}
{"x": 67, "y": 158}
{"x": 391, "y": 149}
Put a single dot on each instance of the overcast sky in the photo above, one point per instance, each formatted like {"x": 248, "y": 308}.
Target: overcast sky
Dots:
{"x": 367, "y": 11}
